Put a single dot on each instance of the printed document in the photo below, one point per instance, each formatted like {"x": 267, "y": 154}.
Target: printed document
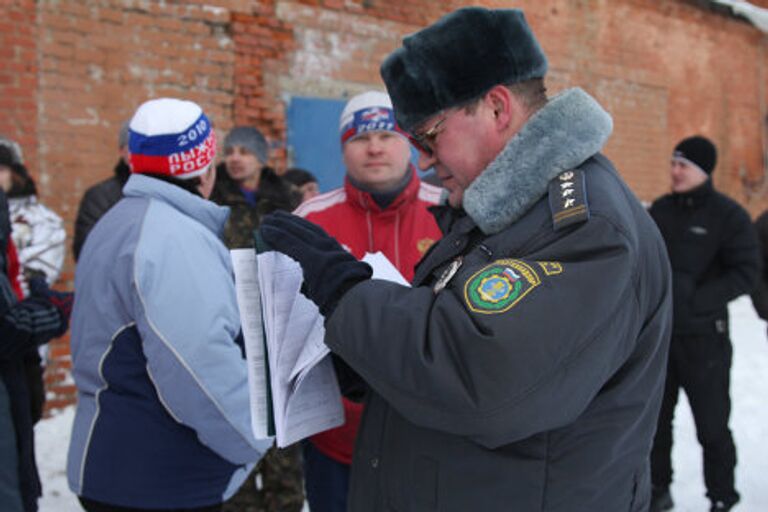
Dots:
{"x": 293, "y": 387}
{"x": 287, "y": 358}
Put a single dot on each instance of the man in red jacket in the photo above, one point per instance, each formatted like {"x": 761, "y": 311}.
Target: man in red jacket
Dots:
{"x": 381, "y": 207}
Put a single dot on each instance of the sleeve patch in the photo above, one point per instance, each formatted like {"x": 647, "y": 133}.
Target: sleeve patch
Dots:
{"x": 500, "y": 286}
{"x": 551, "y": 268}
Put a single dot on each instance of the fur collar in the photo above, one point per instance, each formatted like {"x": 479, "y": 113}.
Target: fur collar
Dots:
{"x": 568, "y": 130}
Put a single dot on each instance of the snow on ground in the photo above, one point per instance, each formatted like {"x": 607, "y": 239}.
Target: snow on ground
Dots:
{"x": 749, "y": 422}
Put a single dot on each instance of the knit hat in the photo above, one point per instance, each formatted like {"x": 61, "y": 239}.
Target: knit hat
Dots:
{"x": 370, "y": 111}
{"x": 251, "y": 139}
{"x": 459, "y": 58}
{"x": 697, "y": 151}
{"x": 12, "y": 152}
{"x": 172, "y": 137}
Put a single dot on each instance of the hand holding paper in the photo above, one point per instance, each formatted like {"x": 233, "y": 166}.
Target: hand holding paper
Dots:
{"x": 329, "y": 270}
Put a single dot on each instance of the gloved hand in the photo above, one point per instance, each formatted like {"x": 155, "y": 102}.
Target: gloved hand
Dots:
{"x": 329, "y": 270}
{"x": 62, "y": 301}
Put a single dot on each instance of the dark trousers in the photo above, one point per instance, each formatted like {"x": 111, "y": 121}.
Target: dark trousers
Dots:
{"x": 97, "y": 506}
{"x": 326, "y": 481}
{"x": 700, "y": 365}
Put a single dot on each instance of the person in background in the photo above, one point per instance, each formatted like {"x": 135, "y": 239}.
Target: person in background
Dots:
{"x": 38, "y": 236}
{"x": 248, "y": 186}
{"x": 38, "y": 232}
{"x": 103, "y": 195}
{"x": 163, "y": 414}
{"x": 493, "y": 384}
{"x": 10, "y": 155}
{"x": 714, "y": 255}
{"x": 25, "y": 323}
{"x": 382, "y": 207}
{"x": 760, "y": 293}
{"x": 304, "y": 182}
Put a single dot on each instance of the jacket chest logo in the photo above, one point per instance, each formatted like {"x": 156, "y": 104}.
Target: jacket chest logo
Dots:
{"x": 498, "y": 287}
{"x": 424, "y": 244}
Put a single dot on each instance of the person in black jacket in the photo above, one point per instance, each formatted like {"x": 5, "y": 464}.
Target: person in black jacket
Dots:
{"x": 102, "y": 196}
{"x": 24, "y": 325}
{"x": 713, "y": 251}
{"x": 760, "y": 293}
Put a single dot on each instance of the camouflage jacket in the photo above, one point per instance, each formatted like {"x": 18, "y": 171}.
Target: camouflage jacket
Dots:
{"x": 273, "y": 194}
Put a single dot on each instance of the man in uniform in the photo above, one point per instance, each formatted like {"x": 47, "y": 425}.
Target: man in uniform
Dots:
{"x": 523, "y": 369}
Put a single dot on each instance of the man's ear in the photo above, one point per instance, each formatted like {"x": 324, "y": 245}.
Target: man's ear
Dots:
{"x": 507, "y": 109}
{"x": 500, "y": 102}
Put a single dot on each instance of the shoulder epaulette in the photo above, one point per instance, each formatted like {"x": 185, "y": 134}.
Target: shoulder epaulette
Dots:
{"x": 568, "y": 199}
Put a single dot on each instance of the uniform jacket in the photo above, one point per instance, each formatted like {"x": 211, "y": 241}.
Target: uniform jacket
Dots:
{"x": 95, "y": 203}
{"x": 273, "y": 194}
{"x": 39, "y": 237}
{"x": 162, "y": 416}
{"x": 524, "y": 369}
{"x": 403, "y": 232}
{"x": 713, "y": 250}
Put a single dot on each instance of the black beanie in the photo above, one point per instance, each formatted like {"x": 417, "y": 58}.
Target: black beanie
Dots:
{"x": 698, "y": 150}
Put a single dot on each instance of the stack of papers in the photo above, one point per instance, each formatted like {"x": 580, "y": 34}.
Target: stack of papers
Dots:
{"x": 292, "y": 383}
{"x": 289, "y": 372}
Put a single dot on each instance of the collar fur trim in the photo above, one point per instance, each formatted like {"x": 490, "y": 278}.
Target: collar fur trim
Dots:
{"x": 568, "y": 130}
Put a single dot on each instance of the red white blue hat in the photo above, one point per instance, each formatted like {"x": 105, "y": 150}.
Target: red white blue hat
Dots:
{"x": 370, "y": 111}
{"x": 171, "y": 137}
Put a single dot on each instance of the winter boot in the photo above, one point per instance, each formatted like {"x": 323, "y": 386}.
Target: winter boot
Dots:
{"x": 720, "y": 506}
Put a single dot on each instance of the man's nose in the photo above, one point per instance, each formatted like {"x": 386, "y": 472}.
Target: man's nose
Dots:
{"x": 374, "y": 145}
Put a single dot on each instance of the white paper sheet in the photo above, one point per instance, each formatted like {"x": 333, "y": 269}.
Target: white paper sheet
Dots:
{"x": 305, "y": 393}
{"x": 249, "y": 303}
{"x": 384, "y": 269}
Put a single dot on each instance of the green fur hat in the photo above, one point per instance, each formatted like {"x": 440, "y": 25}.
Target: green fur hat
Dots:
{"x": 457, "y": 59}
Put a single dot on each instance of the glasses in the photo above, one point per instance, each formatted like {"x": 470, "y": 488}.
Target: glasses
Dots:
{"x": 425, "y": 141}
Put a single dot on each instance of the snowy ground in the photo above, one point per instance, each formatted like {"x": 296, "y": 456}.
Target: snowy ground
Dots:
{"x": 749, "y": 423}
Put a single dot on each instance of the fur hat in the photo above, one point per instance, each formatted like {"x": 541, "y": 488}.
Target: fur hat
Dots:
{"x": 697, "y": 151}
{"x": 171, "y": 137}
{"x": 370, "y": 111}
{"x": 251, "y": 139}
{"x": 459, "y": 58}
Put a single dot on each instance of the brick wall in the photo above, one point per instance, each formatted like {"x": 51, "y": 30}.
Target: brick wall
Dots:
{"x": 18, "y": 75}
{"x": 72, "y": 71}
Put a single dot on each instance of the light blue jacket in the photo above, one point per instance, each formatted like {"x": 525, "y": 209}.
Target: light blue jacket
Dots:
{"x": 163, "y": 415}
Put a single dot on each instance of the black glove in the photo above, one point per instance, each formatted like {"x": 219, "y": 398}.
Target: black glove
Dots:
{"x": 62, "y": 301}
{"x": 329, "y": 270}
